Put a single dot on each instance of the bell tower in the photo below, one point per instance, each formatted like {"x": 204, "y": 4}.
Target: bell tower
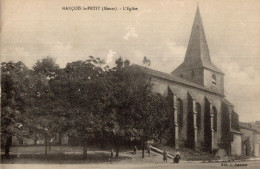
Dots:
{"x": 197, "y": 66}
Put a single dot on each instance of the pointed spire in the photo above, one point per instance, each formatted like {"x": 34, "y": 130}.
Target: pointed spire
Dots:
{"x": 197, "y": 54}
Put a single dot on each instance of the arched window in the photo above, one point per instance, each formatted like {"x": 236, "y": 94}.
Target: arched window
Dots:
{"x": 214, "y": 80}
{"x": 181, "y": 75}
{"x": 215, "y": 121}
{"x": 192, "y": 74}
{"x": 198, "y": 110}
{"x": 180, "y": 112}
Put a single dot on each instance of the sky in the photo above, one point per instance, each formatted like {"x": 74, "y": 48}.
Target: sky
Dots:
{"x": 159, "y": 30}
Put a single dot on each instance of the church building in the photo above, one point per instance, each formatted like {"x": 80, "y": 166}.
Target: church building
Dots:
{"x": 203, "y": 118}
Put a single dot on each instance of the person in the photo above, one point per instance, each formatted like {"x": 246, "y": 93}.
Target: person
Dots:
{"x": 111, "y": 155}
{"x": 164, "y": 156}
{"x": 135, "y": 149}
{"x": 177, "y": 157}
{"x": 149, "y": 150}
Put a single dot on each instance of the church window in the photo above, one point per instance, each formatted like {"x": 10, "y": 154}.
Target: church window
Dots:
{"x": 180, "y": 112}
{"x": 192, "y": 74}
{"x": 214, "y": 80}
{"x": 215, "y": 121}
{"x": 198, "y": 110}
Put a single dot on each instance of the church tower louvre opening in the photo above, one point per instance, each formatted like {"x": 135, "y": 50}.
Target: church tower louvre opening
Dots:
{"x": 197, "y": 66}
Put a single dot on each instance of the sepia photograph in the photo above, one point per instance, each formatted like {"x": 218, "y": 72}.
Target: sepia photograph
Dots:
{"x": 130, "y": 84}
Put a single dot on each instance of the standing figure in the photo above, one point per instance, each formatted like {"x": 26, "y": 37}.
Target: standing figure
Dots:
{"x": 149, "y": 150}
{"x": 177, "y": 157}
{"x": 135, "y": 149}
{"x": 164, "y": 156}
{"x": 111, "y": 155}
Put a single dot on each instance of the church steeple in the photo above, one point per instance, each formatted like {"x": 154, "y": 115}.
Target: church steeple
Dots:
{"x": 197, "y": 54}
{"x": 197, "y": 57}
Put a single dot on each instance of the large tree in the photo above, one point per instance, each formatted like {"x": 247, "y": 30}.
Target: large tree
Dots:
{"x": 86, "y": 100}
{"x": 134, "y": 111}
{"x": 43, "y": 101}
{"x": 15, "y": 85}
{"x": 82, "y": 92}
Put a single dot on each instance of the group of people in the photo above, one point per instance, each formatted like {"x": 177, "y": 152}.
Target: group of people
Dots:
{"x": 176, "y": 159}
{"x": 165, "y": 154}
{"x": 148, "y": 151}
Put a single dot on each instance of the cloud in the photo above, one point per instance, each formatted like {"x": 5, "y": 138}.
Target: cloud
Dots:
{"x": 167, "y": 3}
{"x": 17, "y": 54}
{"x": 139, "y": 14}
{"x": 242, "y": 89}
{"x": 130, "y": 33}
{"x": 63, "y": 52}
{"x": 110, "y": 56}
{"x": 58, "y": 47}
{"x": 143, "y": 12}
{"x": 172, "y": 56}
{"x": 176, "y": 50}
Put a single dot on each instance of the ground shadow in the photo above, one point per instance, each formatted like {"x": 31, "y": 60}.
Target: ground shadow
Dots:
{"x": 59, "y": 159}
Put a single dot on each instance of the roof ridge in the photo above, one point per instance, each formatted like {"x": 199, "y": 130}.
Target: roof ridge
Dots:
{"x": 176, "y": 79}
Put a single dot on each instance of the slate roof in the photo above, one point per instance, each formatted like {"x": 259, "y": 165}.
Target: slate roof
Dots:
{"x": 197, "y": 54}
{"x": 174, "y": 78}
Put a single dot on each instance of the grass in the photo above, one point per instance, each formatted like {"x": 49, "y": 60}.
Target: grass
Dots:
{"x": 64, "y": 155}
{"x": 59, "y": 159}
{"x": 73, "y": 155}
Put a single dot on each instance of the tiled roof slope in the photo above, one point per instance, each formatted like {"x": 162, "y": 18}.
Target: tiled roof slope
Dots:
{"x": 175, "y": 79}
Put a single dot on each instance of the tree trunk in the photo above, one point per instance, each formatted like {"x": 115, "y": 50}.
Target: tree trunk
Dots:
{"x": 85, "y": 150}
{"x": 143, "y": 146}
{"x": 101, "y": 144}
{"x": 116, "y": 143}
{"x": 35, "y": 142}
{"x": 46, "y": 145}
{"x": 60, "y": 135}
{"x": 35, "y": 138}
{"x": 117, "y": 150}
{"x": 49, "y": 145}
{"x": 7, "y": 146}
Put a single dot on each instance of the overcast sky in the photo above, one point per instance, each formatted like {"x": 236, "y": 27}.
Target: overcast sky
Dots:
{"x": 159, "y": 30}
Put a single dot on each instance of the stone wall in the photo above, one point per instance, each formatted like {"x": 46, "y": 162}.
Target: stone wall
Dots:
{"x": 250, "y": 141}
{"x": 197, "y": 78}
{"x": 208, "y": 80}
{"x": 200, "y": 96}
{"x": 236, "y": 144}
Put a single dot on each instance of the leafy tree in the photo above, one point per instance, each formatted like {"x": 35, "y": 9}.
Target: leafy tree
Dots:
{"x": 43, "y": 101}
{"x": 85, "y": 92}
{"x": 15, "y": 80}
{"x": 117, "y": 104}
{"x": 151, "y": 114}
{"x": 47, "y": 67}
{"x": 134, "y": 111}
{"x": 86, "y": 99}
